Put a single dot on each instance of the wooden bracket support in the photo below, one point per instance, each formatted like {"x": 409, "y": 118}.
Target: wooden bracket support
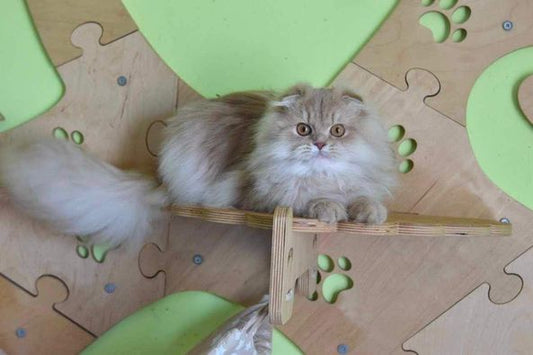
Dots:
{"x": 292, "y": 266}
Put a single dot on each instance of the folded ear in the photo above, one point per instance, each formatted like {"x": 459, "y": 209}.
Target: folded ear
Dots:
{"x": 286, "y": 101}
{"x": 352, "y": 97}
{"x": 289, "y": 97}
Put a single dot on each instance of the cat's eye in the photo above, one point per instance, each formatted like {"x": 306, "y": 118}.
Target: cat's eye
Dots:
{"x": 303, "y": 129}
{"x": 337, "y": 130}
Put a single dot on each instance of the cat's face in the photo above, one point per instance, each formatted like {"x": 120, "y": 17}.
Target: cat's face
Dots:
{"x": 320, "y": 130}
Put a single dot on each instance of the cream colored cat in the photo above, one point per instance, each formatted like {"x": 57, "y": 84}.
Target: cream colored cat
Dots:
{"x": 320, "y": 151}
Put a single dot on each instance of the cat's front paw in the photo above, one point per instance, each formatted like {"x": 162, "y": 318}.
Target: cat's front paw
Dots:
{"x": 365, "y": 210}
{"x": 326, "y": 211}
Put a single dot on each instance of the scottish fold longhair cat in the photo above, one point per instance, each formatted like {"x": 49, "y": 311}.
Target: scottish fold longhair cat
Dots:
{"x": 320, "y": 151}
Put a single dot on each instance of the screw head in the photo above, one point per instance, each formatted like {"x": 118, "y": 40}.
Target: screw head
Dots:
{"x": 507, "y": 25}
{"x": 121, "y": 80}
{"x": 342, "y": 349}
{"x": 197, "y": 259}
{"x": 20, "y": 332}
{"x": 505, "y": 220}
{"x": 110, "y": 287}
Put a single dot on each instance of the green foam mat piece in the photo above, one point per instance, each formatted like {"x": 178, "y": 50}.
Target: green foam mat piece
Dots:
{"x": 500, "y": 135}
{"x": 29, "y": 84}
{"x": 174, "y": 325}
{"x": 223, "y": 46}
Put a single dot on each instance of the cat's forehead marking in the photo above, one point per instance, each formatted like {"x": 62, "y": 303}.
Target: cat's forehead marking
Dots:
{"x": 323, "y": 108}
{"x": 305, "y": 115}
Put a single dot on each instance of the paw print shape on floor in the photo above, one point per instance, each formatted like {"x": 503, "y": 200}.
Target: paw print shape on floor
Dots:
{"x": 444, "y": 19}
{"x": 406, "y": 147}
{"x": 332, "y": 284}
{"x": 61, "y": 133}
{"x": 98, "y": 251}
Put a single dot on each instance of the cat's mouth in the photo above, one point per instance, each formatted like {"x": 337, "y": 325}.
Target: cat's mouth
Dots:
{"x": 321, "y": 155}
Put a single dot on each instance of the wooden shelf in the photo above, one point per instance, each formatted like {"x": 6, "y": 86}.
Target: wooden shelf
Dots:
{"x": 397, "y": 224}
{"x": 294, "y": 242}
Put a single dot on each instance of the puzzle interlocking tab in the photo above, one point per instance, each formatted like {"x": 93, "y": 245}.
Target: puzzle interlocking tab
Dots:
{"x": 56, "y": 20}
{"x": 490, "y": 28}
{"x": 476, "y": 325}
{"x": 31, "y": 325}
{"x": 110, "y": 121}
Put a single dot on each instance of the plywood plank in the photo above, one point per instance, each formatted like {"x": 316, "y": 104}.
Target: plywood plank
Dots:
{"x": 30, "y": 324}
{"x": 402, "y": 43}
{"x": 476, "y": 325}
{"x": 55, "y": 20}
{"x": 113, "y": 121}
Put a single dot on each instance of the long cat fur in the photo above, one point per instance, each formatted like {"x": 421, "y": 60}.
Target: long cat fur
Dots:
{"x": 240, "y": 150}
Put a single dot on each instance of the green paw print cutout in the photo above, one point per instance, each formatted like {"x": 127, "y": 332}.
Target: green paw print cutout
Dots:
{"x": 445, "y": 19}
{"x": 98, "y": 251}
{"x": 406, "y": 147}
{"x": 61, "y": 133}
{"x": 333, "y": 284}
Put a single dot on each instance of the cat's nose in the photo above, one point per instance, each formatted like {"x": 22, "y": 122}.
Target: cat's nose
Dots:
{"x": 320, "y": 145}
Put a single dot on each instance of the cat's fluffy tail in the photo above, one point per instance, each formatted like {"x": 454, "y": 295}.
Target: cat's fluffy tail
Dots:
{"x": 56, "y": 182}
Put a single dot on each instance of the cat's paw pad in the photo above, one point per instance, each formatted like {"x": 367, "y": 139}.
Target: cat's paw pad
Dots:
{"x": 327, "y": 211}
{"x": 364, "y": 210}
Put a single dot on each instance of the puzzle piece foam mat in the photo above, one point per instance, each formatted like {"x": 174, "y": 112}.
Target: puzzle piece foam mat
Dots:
{"x": 31, "y": 324}
{"x": 55, "y": 35}
{"x": 467, "y": 37}
{"x": 173, "y": 325}
{"x": 29, "y": 84}
{"x": 218, "y": 47}
{"x": 475, "y": 325}
{"x": 96, "y": 112}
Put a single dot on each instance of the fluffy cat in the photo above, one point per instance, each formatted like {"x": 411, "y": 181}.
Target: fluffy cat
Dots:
{"x": 320, "y": 151}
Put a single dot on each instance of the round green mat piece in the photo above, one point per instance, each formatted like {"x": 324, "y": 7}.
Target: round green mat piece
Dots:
{"x": 500, "y": 135}
{"x": 223, "y": 46}
{"x": 29, "y": 83}
{"x": 174, "y": 325}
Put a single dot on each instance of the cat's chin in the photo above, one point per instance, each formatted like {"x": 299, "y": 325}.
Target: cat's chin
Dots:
{"x": 323, "y": 163}
{"x": 321, "y": 158}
